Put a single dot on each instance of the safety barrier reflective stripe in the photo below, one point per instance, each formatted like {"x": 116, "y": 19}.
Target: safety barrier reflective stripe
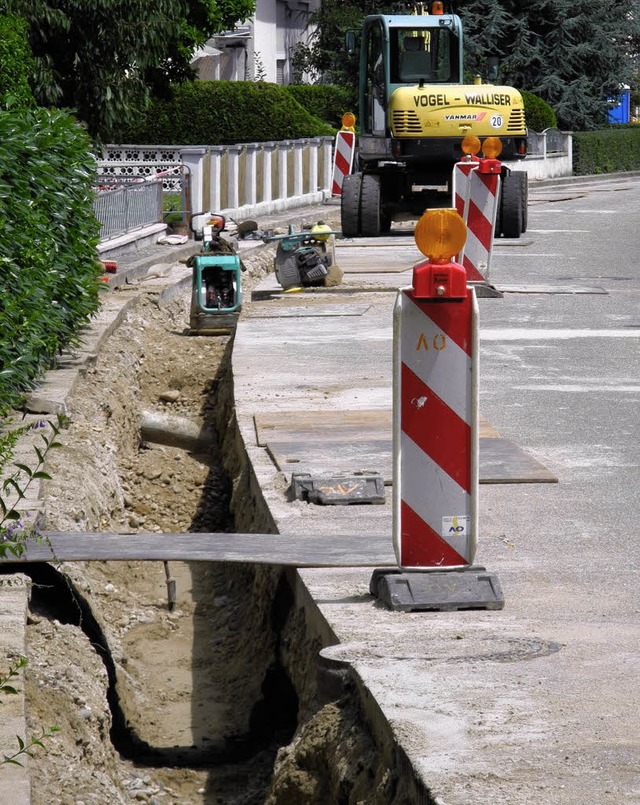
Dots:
{"x": 342, "y": 160}
{"x": 435, "y": 431}
{"x": 476, "y": 200}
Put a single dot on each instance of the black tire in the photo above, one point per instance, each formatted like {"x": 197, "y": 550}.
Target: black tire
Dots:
{"x": 522, "y": 179}
{"x": 350, "y": 205}
{"x": 511, "y": 207}
{"x": 371, "y": 218}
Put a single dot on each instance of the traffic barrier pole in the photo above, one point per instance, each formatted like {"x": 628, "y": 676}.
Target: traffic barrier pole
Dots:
{"x": 343, "y": 153}
{"x": 435, "y": 434}
{"x": 436, "y": 419}
{"x": 476, "y": 191}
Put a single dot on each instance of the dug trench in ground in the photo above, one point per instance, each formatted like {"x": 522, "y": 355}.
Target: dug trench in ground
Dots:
{"x": 209, "y": 681}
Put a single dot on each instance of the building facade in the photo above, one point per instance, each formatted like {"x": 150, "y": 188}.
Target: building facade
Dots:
{"x": 262, "y": 47}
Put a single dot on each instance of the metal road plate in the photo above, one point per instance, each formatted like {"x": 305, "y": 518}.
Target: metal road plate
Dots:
{"x": 304, "y": 311}
{"x": 443, "y": 591}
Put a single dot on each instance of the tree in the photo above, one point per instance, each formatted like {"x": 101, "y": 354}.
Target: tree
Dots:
{"x": 106, "y": 58}
{"x": 573, "y": 53}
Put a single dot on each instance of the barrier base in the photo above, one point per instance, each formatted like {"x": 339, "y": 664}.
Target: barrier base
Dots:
{"x": 444, "y": 591}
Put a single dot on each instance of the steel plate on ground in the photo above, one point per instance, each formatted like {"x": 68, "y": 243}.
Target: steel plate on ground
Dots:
{"x": 501, "y": 461}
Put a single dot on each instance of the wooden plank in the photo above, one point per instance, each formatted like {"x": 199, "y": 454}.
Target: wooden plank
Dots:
{"x": 333, "y": 425}
{"x": 309, "y": 550}
{"x": 501, "y": 461}
{"x": 319, "y": 425}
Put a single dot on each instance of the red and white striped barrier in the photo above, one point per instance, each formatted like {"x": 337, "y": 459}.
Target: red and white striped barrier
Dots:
{"x": 435, "y": 431}
{"x": 342, "y": 159}
{"x": 476, "y": 196}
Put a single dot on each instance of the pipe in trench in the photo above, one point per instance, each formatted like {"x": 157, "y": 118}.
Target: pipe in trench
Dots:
{"x": 176, "y": 431}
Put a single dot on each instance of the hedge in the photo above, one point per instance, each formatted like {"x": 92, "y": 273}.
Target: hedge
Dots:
{"x": 16, "y": 62}
{"x": 324, "y": 101}
{"x": 538, "y": 114}
{"x": 222, "y": 113}
{"x": 606, "y": 150}
{"x": 49, "y": 273}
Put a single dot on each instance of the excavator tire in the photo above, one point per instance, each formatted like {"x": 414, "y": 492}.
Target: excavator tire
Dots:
{"x": 522, "y": 179}
{"x": 511, "y": 207}
{"x": 350, "y": 205}
{"x": 371, "y": 219}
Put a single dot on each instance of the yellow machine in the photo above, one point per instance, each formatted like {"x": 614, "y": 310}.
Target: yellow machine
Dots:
{"x": 415, "y": 111}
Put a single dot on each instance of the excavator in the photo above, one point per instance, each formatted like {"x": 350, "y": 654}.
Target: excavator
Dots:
{"x": 415, "y": 111}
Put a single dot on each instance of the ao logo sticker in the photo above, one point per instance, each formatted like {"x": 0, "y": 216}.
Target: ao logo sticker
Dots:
{"x": 496, "y": 121}
{"x": 457, "y": 526}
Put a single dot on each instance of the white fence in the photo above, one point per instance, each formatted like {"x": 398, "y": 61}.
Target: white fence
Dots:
{"x": 237, "y": 180}
{"x": 254, "y": 179}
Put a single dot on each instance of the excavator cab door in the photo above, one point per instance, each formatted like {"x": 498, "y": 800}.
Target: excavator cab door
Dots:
{"x": 376, "y": 80}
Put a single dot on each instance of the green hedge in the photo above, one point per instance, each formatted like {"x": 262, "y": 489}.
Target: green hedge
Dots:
{"x": 538, "y": 114}
{"x": 224, "y": 112}
{"x": 606, "y": 150}
{"x": 49, "y": 273}
{"x": 16, "y": 62}
{"x": 324, "y": 101}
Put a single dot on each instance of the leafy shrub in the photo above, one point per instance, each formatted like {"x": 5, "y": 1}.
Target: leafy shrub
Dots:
{"x": 538, "y": 114}
{"x": 224, "y": 112}
{"x": 324, "y": 101}
{"x": 16, "y": 62}
{"x": 606, "y": 150}
{"x": 49, "y": 274}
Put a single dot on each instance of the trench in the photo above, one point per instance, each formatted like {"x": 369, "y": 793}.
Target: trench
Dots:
{"x": 256, "y": 595}
{"x": 252, "y": 683}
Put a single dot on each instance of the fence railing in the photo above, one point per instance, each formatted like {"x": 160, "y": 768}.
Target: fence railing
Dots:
{"x": 237, "y": 180}
{"x": 549, "y": 142}
{"x": 123, "y": 207}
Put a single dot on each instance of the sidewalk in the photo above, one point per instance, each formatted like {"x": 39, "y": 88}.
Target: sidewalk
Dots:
{"x": 517, "y": 706}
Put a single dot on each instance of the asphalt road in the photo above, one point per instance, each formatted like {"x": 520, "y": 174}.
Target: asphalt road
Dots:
{"x": 540, "y": 702}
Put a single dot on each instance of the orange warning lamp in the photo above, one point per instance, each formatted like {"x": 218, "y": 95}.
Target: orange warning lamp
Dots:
{"x": 348, "y": 121}
{"x": 439, "y": 235}
{"x": 492, "y": 147}
{"x": 437, "y": 7}
{"x": 471, "y": 145}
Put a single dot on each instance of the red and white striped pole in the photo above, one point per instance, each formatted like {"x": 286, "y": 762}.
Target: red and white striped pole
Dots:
{"x": 343, "y": 153}
{"x": 436, "y": 410}
{"x": 476, "y": 193}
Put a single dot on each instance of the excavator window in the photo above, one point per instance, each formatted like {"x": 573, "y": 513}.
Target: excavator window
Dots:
{"x": 429, "y": 54}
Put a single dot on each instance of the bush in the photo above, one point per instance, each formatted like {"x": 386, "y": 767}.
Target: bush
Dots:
{"x": 16, "y": 62}
{"x": 324, "y": 101}
{"x": 538, "y": 114}
{"x": 49, "y": 274}
{"x": 225, "y": 112}
{"x": 606, "y": 150}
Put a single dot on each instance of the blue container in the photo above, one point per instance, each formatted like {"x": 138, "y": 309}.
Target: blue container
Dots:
{"x": 620, "y": 111}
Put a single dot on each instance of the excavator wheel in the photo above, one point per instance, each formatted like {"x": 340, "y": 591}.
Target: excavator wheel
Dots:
{"x": 511, "y": 207}
{"x": 522, "y": 179}
{"x": 371, "y": 206}
{"x": 350, "y": 205}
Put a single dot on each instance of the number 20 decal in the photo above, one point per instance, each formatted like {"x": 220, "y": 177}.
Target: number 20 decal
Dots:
{"x": 496, "y": 121}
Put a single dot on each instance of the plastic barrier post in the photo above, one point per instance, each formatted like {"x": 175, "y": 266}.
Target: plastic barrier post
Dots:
{"x": 476, "y": 192}
{"x": 435, "y": 478}
{"x": 342, "y": 159}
